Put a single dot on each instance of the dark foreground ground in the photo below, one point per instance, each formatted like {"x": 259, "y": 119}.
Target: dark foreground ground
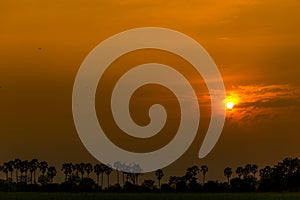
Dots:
{"x": 164, "y": 196}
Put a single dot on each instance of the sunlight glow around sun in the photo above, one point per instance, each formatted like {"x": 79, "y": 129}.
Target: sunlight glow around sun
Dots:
{"x": 229, "y": 105}
{"x": 231, "y": 100}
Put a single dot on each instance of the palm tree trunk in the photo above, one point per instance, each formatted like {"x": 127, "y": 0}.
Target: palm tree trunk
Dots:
{"x": 107, "y": 181}
{"x": 159, "y": 183}
{"x": 17, "y": 174}
{"x": 101, "y": 180}
{"x": 26, "y": 173}
{"x": 118, "y": 181}
{"x": 98, "y": 179}
{"x": 34, "y": 178}
{"x": 31, "y": 177}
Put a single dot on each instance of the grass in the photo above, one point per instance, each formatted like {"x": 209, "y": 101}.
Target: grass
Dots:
{"x": 150, "y": 196}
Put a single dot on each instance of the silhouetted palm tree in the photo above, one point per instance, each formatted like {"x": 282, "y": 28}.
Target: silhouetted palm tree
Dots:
{"x": 81, "y": 169}
{"x": 228, "y": 173}
{"x": 107, "y": 171}
{"x": 291, "y": 165}
{"x": 136, "y": 176}
{"x": 76, "y": 169}
{"x": 118, "y": 176}
{"x": 102, "y": 169}
{"x": 98, "y": 170}
{"x": 239, "y": 171}
{"x": 43, "y": 167}
{"x": 24, "y": 166}
{"x": 132, "y": 178}
{"x": 33, "y": 166}
{"x": 159, "y": 175}
{"x": 16, "y": 164}
{"x": 88, "y": 168}
{"x": 123, "y": 177}
{"x": 51, "y": 173}
{"x": 247, "y": 170}
{"x": 10, "y": 167}
{"x": 1, "y": 168}
{"x": 5, "y": 170}
{"x": 254, "y": 169}
{"x": 265, "y": 172}
{"x": 118, "y": 166}
{"x": 67, "y": 169}
{"x": 204, "y": 170}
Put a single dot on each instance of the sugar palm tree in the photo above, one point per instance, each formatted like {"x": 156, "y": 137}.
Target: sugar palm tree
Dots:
{"x": 43, "y": 167}
{"x": 88, "y": 168}
{"x": 107, "y": 171}
{"x": 1, "y": 168}
{"x": 247, "y": 170}
{"x": 127, "y": 176}
{"x": 98, "y": 169}
{"x": 51, "y": 173}
{"x": 204, "y": 170}
{"x": 136, "y": 176}
{"x": 228, "y": 173}
{"x": 33, "y": 166}
{"x": 16, "y": 165}
{"x": 239, "y": 171}
{"x": 24, "y": 166}
{"x": 123, "y": 177}
{"x": 132, "y": 178}
{"x": 5, "y": 170}
{"x": 10, "y": 167}
{"x": 102, "y": 172}
{"x": 118, "y": 166}
{"x": 265, "y": 172}
{"x": 159, "y": 175}
{"x": 67, "y": 169}
{"x": 81, "y": 169}
{"x": 76, "y": 168}
{"x": 118, "y": 176}
{"x": 254, "y": 169}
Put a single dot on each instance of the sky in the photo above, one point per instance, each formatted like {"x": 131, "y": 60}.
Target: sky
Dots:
{"x": 255, "y": 44}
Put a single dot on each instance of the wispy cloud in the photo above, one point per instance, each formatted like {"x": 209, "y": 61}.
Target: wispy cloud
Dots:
{"x": 263, "y": 102}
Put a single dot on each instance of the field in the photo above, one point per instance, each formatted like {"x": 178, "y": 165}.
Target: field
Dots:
{"x": 164, "y": 196}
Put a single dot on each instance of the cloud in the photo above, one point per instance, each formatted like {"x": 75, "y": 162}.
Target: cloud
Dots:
{"x": 263, "y": 102}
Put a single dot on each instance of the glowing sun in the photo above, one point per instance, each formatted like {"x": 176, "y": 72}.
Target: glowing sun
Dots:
{"x": 229, "y": 105}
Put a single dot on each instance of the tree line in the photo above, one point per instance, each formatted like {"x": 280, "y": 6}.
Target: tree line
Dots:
{"x": 35, "y": 175}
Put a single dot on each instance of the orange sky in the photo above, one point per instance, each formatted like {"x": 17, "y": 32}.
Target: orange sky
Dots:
{"x": 255, "y": 44}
